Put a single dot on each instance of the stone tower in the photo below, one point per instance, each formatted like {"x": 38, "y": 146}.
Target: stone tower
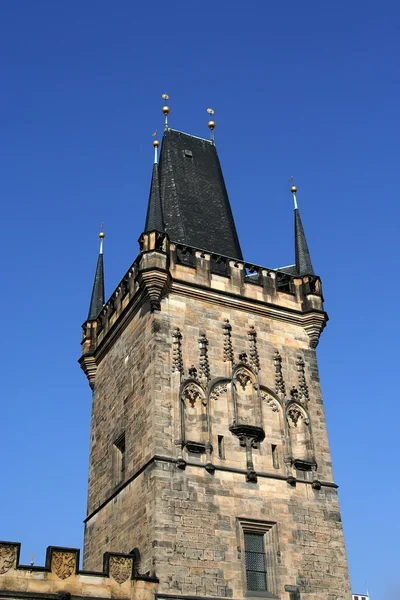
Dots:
{"x": 209, "y": 450}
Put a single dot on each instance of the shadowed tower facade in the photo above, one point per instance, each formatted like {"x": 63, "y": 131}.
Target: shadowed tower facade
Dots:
{"x": 209, "y": 449}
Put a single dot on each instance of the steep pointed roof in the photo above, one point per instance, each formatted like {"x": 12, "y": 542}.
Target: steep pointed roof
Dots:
{"x": 195, "y": 208}
{"x": 154, "y": 220}
{"x": 303, "y": 259}
{"x": 97, "y": 299}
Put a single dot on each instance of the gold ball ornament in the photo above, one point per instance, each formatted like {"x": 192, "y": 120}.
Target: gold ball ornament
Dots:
{"x": 156, "y": 143}
{"x": 102, "y": 235}
{"x": 165, "y": 110}
{"x": 293, "y": 189}
{"x": 211, "y": 125}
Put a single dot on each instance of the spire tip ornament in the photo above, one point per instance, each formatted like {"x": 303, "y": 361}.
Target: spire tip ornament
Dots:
{"x": 156, "y": 145}
{"x": 102, "y": 235}
{"x": 211, "y": 123}
{"x": 165, "y": 110}
{"x": 293, "y": 189}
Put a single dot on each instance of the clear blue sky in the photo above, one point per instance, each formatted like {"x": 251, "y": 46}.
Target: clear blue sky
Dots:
{"x": 309, "y": 89}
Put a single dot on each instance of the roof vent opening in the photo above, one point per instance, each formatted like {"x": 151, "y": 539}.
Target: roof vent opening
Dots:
{"x": 188, "y": 153}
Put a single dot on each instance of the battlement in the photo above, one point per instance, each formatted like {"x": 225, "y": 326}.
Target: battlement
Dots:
{"x": 163, "y": 267}
{"x": 61, "y": 577}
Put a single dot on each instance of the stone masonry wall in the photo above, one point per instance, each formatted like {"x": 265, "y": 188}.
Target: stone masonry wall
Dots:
{"x": 186, "y": 521}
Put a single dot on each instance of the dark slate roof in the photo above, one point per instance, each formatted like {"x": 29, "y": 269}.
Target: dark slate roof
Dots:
{"x": 195, "y": 205}
{"x": 97, "y": 299}
{"x": 154, "y": 220}
{"x": 303, "y": 259}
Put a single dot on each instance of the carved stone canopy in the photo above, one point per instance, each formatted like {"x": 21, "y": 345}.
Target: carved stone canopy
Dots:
{"x": 304, "y": 465}
{"x": 243, "y": 377}
{"x": 257, "y": 434}
{"x": 195, "y": 447}
{"x": 191, "y": 393}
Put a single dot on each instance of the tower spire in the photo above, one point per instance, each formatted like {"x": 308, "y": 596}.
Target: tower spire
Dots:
{"x": 303, "y": 259}
{"x": 97, "y": 299}
{"x": 154, "y": 220}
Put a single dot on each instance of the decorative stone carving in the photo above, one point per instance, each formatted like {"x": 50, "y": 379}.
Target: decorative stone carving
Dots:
{"x": 243, "y": 377}
{"x": 218, "y": 389}
{"x": 63, "y": 564}
{"x": 295, "y": 413}
{"x": 177, "y": 361}
{"x": 204, "y": 366}
{"x": 279, "y": 381}
{"x": 121, "y": 568}
{"x": 254, "y": 357}
{"x": 193, "y": 372}
{"x": 303, "y": 388}
{"x": 8, "y": 557}
{"x": 294, "y": 392}
{"x": 272, "y": 403}
{"x": 243, "y": 357}
{"x": 250, "y": 437}
{"x": 228, "y": 350}
{"x": 195, "y": 447}
{"x": 191, "y": 393}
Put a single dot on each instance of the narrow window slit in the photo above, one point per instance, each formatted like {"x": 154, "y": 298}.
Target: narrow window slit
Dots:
{"x": 275, "y": 458}
{"x": 221, "y": 449}
{"x": 119, "y": 451}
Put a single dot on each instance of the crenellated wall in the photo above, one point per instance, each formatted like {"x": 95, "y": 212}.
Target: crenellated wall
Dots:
{"x": 62, "y": 579}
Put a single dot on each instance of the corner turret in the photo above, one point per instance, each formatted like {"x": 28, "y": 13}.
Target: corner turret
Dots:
{"x": 97, "y": 299}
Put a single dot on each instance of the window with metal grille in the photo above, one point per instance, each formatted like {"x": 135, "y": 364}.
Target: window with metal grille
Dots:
{"x": 256, "y": 571}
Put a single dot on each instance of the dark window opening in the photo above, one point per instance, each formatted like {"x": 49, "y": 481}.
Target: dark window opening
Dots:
{"x": 218, "y": 265}
{"x": 284, "y": 283}
{"x": 119, "y": 446}
{"x": 185, "y": 256}
{"x": 256, "y": 571}
{"x": 221, "y": 449}
{"x": 275, "y": 458}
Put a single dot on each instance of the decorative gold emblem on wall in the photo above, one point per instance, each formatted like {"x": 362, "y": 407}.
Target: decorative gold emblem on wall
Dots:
{"x": 120, "y": 568}
{"x": 63, "y": 564}
{"x": 8, "y": 556}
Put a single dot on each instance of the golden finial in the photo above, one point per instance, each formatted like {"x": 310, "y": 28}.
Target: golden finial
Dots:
{"x": 156, "y": 145}
{"x": 102, "y": 235}
{"x": 293, "y": 189}
{"x": 165, "y": 110}
{"x": 211, "y": 124}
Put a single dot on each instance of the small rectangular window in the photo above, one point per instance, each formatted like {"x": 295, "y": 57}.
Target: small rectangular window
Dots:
{"x": 119, "y": 446}
{"x": 221, "y": 449}
{"x": 275, "y": 458}
{"x": 256, "y": 571}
